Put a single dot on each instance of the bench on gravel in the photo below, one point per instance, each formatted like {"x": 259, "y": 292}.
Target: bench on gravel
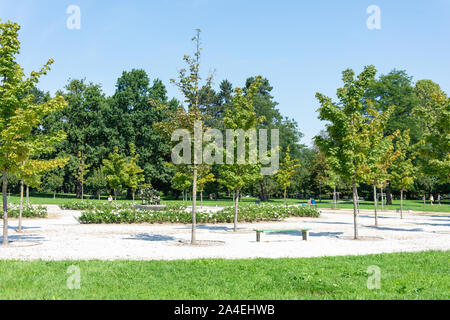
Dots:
{"x": 305, "y": 232}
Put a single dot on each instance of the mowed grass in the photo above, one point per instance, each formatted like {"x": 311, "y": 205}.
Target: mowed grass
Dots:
{"x": 423, "y": 275}
{"x": 414, "y": 205}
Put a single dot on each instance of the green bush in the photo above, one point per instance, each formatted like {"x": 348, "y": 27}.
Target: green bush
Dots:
{"x": 28, "y": 211}
{"x": 92, "y": 205}
{"x": 178, "y": 214}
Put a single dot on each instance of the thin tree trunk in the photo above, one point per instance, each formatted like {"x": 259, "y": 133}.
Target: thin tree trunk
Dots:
{"x": 236, "y": 209}
{"x": 54, "y": 194}
{"x": 401, "y": 204}
{"x": 285, "y": 194}
{"x": 389, "y": 195}
{"x": 334, "y": 197}
{"x": 382, "y": 200}
{"x": 5, "y": 209}
{"x": 82, "y": 191}
{"x": 375, "y": 204}
{"x": 20, "y": 206}
{"x": 28, "y": 195}
{"x": 355, "y": 210}
{"x": 194, "y": 208}
{"x": 201, "y": 199}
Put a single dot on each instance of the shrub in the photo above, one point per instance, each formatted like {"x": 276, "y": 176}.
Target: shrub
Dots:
{"x": 178, "y": 214}
{"x": 91, "y": 205}
{"x": 28, "y": 211}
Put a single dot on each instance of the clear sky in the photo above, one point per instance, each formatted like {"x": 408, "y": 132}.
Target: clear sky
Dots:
{"x": 300, "y": 46}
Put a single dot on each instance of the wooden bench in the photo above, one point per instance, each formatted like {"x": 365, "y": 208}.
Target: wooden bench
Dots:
{"x": 305, "y": 233}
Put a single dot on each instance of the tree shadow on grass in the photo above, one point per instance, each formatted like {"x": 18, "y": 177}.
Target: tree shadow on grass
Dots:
{"x": 151, "y": 237}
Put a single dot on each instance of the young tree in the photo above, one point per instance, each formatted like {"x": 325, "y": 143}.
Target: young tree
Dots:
{"x": 31, "y": 173}
{"x": 83, "y": 170}
{"x": 115, "y": 169}
{"x": 204, "y": 177}
{"x": 346, "y": 145}
{"x": 134, "y": 173}
{"x": 287, "y": 171}
{"x": 381, "y": 151}
{"x": 98, "y": 182}
{"x": 53, "y": 181}
{"x": 18, "y": 114}
{"x": 189, "y": 84}
{"x": 181, "y": 181}
{"x": 241, "y": 115}
{"x": 402, "y": 169}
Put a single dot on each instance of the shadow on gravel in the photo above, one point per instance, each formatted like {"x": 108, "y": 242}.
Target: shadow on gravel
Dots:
{"x": 395, "y": 229}
{"x": 213, "y": 228}
{"x": 26, "y": 237}
{"x": 24, "y": 228}
{"x": 151, "y": 237}
{"x": 432, "y": 224}
{"x": 311, "y": 234}
{"x": 324, "y": 222}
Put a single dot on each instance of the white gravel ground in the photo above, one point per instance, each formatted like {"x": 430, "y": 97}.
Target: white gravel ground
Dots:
{"x": 61, "y": 237}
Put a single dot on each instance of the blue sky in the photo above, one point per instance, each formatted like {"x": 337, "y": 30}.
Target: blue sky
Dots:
{"x": 300, "y": 46}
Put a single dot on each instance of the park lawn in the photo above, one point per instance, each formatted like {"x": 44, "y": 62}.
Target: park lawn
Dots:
{"x": 422, "y": 275}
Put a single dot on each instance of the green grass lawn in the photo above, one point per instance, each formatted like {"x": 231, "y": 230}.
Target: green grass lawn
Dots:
{"x": 415, "y": 205}
{"x": 424, "y": 275}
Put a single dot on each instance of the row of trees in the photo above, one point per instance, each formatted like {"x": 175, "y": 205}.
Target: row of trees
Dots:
{"x": 369, "y": 139}
{"x": 382, "y": 133}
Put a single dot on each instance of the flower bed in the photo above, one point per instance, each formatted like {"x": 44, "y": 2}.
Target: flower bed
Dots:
{"x": 28, "y": 211}
{"x": 178, "y": 214}
{"x": 80, "y": 205}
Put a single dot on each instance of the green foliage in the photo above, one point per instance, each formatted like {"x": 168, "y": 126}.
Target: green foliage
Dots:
{"x": 241, "y": 115}
{"x": 433, "y": 116}
{"x": 178, "y": 214}
{"x": 53, "y": 181}
{"x": 134, "y": 174}
{"x": 402, "y": 169}
{"x": 115, "y": 170}
{"x": 347, "y": 143}
{"x": 287, "y": 171}
{"x": 28, "y": 211}
{"x": 98, "y": 181}
{"x": 20, "y": 116}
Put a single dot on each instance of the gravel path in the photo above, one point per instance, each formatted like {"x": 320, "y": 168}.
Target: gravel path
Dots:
{"x": 61, "y": 237}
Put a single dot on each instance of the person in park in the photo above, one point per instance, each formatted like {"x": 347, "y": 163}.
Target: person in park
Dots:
{"x": 431, "y": 199}
{"x": 110, "y": 199}
{"x": 312, "y": 202}
{"x": 439, "y": 198}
